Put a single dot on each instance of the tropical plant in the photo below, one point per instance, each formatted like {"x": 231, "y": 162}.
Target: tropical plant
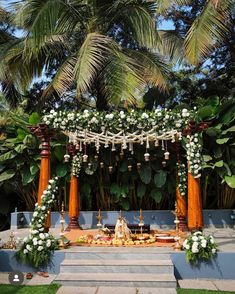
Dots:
{"x": 218, "y": 150}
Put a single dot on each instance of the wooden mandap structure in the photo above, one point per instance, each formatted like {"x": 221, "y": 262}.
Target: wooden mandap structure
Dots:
{"x": 107, "y": 130}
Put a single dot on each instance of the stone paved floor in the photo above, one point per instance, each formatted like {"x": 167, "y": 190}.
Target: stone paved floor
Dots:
{"x": 222, "y": 285}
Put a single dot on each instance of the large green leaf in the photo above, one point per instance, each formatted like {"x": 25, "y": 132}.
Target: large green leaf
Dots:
{"x": 141, "y": 190}
{"x": 8, "y": 155}
{"x": 6, "y": 175}
{"x": 217, "y": 151}
{"x": 27, "y": 177}
{"x": 59, "y": 152}
{"x": 34, "y": 118}
{"x": 229, "y": 115}
{"x": 222, "y": 141}
{"x": 230, "y": 180}
{"x": 2, "y": 167}
{"x": 21, "y": 134}
{"x": 34, "y": 168}
{"x": 125, "y": 203}
{"x": 30, "y": 141}
{"x": 61, "y": 170}
{"x": 160, "y": 178}
{"x": 229, "y": 173}
{"x": 156, "y": 195}
{"x": 232, "y": 129}
{"x": 207, "y": 158}
{"x": 205, "y": 112}
{"x": 115, "y": 189}
{"x": 212, "y": 131}
{"x": 20, "y": 148}
{"x": 145, "y": 174}
{"x": 219, "y": 163}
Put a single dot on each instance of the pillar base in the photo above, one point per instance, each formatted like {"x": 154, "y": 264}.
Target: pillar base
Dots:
{"x": 183, "y": 224}
{"x": 73, "y": 224}
{"x": 193, "y": 230}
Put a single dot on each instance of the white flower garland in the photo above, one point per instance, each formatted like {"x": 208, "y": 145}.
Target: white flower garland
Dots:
{"x": 38, "y": 245}
{"x": 76, "y": 164}
{"x": 161, "y": 120}
{"x": 194, "y": 156}
{"x": 182, "y": 178}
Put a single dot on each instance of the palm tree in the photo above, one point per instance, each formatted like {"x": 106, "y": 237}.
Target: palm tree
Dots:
{"x": 109, "y": 49}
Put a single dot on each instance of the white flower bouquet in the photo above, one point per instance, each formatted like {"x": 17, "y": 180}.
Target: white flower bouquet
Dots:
{"x": 199, "y": 247}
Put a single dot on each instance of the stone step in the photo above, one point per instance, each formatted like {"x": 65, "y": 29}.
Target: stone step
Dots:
{"x": 121, "y": 249}
{"x": 114, "y": 280}
{"x": 117, "y": 266}
{"x": 116, "y": 255}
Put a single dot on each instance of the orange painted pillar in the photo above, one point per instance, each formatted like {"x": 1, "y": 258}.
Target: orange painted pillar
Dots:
{"x": 195, "y": 216}
{"x": 74, "y": 205}
{"x": 45, "y": 173}
{"x": 182, "y": 208}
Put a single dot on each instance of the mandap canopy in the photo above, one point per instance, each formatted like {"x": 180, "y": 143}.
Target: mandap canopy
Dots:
{"x": 119, "y": 130}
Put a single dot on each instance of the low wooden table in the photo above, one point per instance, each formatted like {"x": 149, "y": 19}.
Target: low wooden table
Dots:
{"x": 135, "y": 228}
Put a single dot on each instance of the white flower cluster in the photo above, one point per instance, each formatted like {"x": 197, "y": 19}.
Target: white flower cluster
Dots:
{"x": 182, "y": 178}
{"x": 76, "y": 164}
{"x": 194, "y": 157}
{"x": 162, "y": 120}
{"x": 198, "y": 246}
{"x": 38, "y": 240}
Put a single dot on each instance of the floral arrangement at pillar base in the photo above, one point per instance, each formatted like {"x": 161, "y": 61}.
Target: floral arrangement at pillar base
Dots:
{"x": 38, "y": 247}
{"x": 199, "y": 247}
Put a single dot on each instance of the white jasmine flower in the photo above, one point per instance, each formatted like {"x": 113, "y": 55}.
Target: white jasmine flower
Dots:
{"x": 213, "y": 250}
{"x": 35, "y": 213}
{"x": 40, "y": 248}
{"x": 25, "y": 251}
{"x": 28, "y": 247}
{"x": 195, "y": 238}
{"x": 40, "y": 242}
{"x": 212, "y": 240}
{"x": 42, "y": 236}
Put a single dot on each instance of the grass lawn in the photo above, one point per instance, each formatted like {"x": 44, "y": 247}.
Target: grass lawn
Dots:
{"x": 10, "y": 289}
{"x": 196, "y": 291}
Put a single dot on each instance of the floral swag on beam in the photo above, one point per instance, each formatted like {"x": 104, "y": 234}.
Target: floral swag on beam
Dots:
{"x": 128, "y": 128}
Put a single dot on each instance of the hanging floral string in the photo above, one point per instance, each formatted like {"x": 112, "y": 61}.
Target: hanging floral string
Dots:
{"x": 38, "y": 246}
{"x": 182, "y": 178}
{"x": 194, "y": 157}
{"x": 76, "y": 164}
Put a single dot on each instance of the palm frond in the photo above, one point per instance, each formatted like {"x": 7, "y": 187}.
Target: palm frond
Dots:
{"x": 119, "y": 81}
{"x": 172, "y": 45}
{"x": 164, "y": 5}
{"x": 49, "y": 17}
{"x": 208, "y": 28}
{"x": 138, "y": 19}
{"x": 91, "y": 57}
{"x": 63, "y": 78}
{"x": 152, "y": 68}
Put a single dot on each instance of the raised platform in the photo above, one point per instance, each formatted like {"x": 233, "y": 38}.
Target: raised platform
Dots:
{"x": 158, "y": 219}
